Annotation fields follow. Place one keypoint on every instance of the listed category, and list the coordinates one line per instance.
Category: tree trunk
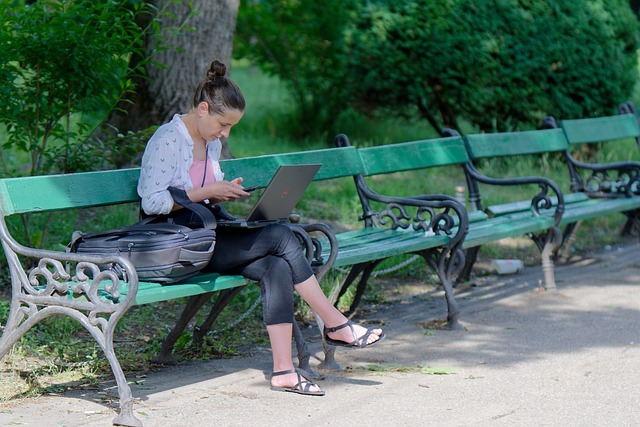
(213, 26)
(169, 89)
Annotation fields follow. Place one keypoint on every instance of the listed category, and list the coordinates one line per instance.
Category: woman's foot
(292, 381)
(351, 335)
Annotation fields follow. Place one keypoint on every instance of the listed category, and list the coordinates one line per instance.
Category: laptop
(279, 198)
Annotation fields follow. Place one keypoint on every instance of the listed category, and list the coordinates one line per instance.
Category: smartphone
(250, 189)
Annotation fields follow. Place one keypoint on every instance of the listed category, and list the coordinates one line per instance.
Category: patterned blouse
(166, 161)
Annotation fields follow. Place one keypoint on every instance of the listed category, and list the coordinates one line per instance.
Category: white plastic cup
(507, 266)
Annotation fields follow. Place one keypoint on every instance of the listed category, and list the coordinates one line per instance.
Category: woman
(184, 153)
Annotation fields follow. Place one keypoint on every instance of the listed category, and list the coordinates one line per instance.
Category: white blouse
(166, 162)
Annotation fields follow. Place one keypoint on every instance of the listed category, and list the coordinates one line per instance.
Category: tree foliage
(61, 62)
(497, 64)
(302, 44)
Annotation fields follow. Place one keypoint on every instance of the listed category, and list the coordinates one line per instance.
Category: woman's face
(213, 126)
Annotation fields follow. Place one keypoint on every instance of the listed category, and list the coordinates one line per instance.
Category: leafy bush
(64, 66)
(501, 65)
(497, 64)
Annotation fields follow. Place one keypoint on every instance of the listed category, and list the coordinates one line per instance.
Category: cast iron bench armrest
(425, 204)
(542, 200)
(100, 285)
(614, 179)
(313, 246)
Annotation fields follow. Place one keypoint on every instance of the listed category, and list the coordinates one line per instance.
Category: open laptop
(277, 201)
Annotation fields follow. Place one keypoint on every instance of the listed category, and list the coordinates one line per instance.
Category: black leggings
(270, 255)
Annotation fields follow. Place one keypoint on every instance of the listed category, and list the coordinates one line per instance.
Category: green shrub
(493, 65)
(501, 65)
(61, 63)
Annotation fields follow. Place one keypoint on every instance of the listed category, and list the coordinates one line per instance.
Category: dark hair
(218, 91)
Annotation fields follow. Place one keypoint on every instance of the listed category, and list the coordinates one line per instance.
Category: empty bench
(378, 210)
(594, 190)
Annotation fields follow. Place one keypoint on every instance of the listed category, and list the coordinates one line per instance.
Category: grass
(59, 353)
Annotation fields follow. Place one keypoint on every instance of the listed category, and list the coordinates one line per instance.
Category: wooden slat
(601, 129)
(372, 243)
(596, 208)
(515, 143)
(525, 205)
(413, 155)
(336, 162)
(79, 190)
(200, 284)
(89, 189)
(149, 292)
(503, 227)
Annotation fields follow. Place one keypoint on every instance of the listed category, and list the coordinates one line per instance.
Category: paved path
(525, 359)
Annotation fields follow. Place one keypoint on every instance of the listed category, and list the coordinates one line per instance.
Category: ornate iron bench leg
(470, 260)
(165, 355)
(437, 261)
(548, 245)
(632, 224)
(125, 417)
(564, 253)
(329, 361)
(362, 286)
(224, 298)
(304, 355)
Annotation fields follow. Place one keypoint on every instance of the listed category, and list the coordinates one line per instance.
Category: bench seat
(149, 292)
(372, 244)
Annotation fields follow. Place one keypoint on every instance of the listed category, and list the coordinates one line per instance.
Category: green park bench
(46, 282)
(548, 217)
(596, 190)
(616, 183)
(483, 228)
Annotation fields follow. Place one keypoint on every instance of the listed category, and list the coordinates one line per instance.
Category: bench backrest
(601, 129)
(413, 155)
(78, 190)
(504, 144)
(101, 188)
(258, 170)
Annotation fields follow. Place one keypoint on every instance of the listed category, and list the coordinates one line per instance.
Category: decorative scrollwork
(396, 216)
(49, 271)
(442, 222)
(623, 180)
(312, 246)
(541, 200)
(50, 278)
(99, 285)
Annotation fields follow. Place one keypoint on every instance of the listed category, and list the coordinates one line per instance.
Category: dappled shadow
(508, 320)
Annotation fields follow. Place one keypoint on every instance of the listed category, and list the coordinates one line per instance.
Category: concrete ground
(525, 358)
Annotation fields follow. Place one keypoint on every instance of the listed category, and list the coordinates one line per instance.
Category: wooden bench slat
(485, 145)
(149, 292)
(509, 227)
(358, 254)
(596, 208)
(72, 191)
(601, 129)
(336, 163)
(413, 155)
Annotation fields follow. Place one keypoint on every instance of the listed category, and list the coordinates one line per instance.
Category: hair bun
(217, 69)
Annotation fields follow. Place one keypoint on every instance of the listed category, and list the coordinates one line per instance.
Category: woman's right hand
(225, 191)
